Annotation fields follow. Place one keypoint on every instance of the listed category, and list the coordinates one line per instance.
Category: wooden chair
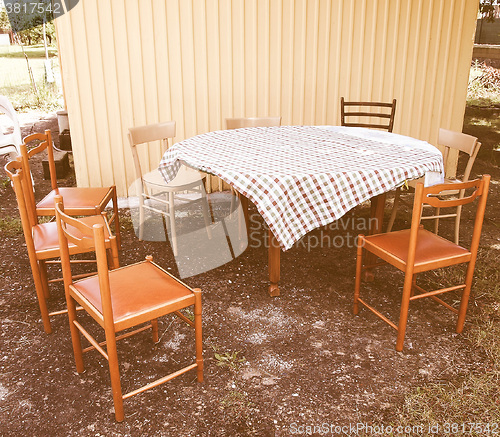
(417, 250)
(237, 123)
(121, 299)
(10, 143)
(154, 189)
(451, 141)
(372, 110)
(79, 201)
(42, 240)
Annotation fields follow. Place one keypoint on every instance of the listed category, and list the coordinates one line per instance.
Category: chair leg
(44, 278)
(117, 220)
(114, 373)
(206, 211)
(394, 210)
(198, 333)
(436, 220)
(457, 223)
(154, 330)
(115, 259)
(359, 265)
(141, 216)
(413, 284)
(171, 213)
(40, 294)
(75, 335)
(464, 302)
(403, 315)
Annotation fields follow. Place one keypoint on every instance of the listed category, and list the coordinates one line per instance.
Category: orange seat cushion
(431, 248)
(136, 289)
(76, 200)
(46, 240)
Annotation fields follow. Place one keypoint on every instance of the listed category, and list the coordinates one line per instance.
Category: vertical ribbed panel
(128, 63)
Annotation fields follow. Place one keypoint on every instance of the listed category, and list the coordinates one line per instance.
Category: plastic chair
(121, 299)
(42, 240)
(79, 201)
(154, 189)
(10, 143)
(372, 110)
(451, 141)
(417, 250)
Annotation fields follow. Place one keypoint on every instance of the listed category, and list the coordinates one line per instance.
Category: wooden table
(304, 177)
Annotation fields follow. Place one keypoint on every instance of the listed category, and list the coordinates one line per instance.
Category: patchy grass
(15, 81)
(474, 398)
(484, 85)
(237, 404)
(24, 98)
(10, 227)
(36, 51)
(231, 360)
(484, 123)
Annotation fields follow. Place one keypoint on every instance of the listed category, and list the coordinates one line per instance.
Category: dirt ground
(301, 359)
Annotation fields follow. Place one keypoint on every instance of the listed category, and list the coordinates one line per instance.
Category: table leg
(274, 265)
(244, 207)
(376, 222)
(377, 213)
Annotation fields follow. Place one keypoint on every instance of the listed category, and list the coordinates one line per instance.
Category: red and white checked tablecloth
(303, 177)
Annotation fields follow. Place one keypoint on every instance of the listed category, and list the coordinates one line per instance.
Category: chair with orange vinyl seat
(79, 201)
(42, 240)
(450, 140)
(122, 299)
(371, 110)
(417, 250)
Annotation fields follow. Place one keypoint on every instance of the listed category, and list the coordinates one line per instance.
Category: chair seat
(431, 249)
(137, 292)
(186, 177)
(46, 240)
(77, 201)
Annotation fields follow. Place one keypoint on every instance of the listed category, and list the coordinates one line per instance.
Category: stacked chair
(79, 201)
(42, 239)
(10, 143)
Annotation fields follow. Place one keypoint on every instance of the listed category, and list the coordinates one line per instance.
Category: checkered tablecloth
(303, 177)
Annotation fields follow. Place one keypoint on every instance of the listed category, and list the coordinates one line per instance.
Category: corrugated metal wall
(133, 62)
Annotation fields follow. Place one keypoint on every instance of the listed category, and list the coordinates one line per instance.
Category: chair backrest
(145, 134)
(377, 110)
(86, 238)
(16, 172)
(461, 142)
(44, 143)
(430, 196)
(15, 137)
(237, 123)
